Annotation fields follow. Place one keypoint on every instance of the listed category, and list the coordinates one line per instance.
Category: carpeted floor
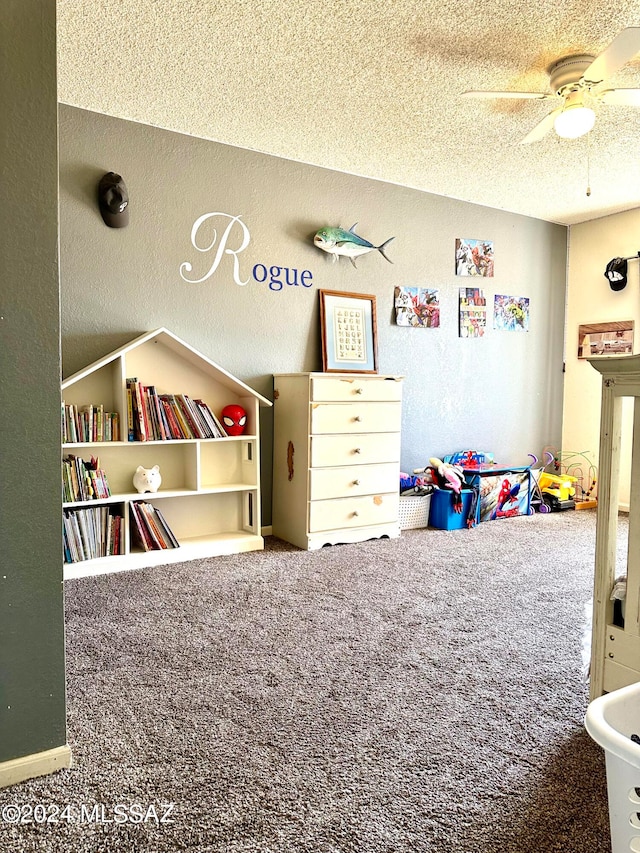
(421, 694)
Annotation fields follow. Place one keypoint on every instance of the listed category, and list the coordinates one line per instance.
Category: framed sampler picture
(349, 332)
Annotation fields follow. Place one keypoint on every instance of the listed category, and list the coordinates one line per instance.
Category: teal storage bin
(442, 514)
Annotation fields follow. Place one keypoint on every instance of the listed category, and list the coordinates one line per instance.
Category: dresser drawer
(353, 481)
(357, 449)
(353, 512)
(345, 389)
(355, 417)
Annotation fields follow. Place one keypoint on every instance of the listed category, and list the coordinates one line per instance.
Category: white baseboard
(37, 764)
(266, 530)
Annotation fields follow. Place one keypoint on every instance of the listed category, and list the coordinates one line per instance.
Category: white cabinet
(210, 492)
(336, 463)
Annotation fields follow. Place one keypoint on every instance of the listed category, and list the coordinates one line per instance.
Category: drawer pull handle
(357, 418)
(356, 483)
(356, 450)
(354, 513)
(359, 390)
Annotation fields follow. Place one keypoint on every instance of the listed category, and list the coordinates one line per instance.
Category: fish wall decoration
(337, 241)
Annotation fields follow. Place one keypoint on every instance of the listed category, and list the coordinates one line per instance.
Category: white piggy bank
(147, 479)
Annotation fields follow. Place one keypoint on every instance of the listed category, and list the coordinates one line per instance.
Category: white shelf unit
(210, 492)
(615, 650)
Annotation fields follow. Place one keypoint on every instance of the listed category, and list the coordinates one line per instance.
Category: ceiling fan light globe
(574, 121)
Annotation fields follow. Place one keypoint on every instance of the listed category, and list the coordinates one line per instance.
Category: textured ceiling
(370, 87)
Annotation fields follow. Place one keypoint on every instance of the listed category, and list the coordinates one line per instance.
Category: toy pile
(418, 483)
(450, 476)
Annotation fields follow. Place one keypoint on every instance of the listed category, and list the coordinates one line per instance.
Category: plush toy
(449, 476)
(147, 479)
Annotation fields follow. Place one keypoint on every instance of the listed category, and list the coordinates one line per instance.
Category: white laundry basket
(414, 511)
(611, 720)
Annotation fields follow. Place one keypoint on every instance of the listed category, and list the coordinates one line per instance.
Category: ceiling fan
(577, 79)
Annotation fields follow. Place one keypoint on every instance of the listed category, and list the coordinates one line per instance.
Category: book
(88, 424)
(169, 533)
(151, 416)
(114, 426)
(174, 426)
(161, 430)
(152, 530)
(185, 429)
(185, 410)
(214, 425)
(98, 424)
(139, 423)
(157, 539)
(117, 535)
(91, 533)
(83, 480)
(131, 435)
(203, 427)
(140, 528)
(72, 424)
(218, 422)
(146, 414)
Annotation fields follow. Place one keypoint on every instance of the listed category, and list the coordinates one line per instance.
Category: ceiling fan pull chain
(588, 164)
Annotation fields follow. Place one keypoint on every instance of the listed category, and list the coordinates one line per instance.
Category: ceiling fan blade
(542, 128)
(627, 97)
(621, 50)
(540, 96)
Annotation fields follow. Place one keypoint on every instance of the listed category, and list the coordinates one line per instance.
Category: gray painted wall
(32, 699)
(502, 393)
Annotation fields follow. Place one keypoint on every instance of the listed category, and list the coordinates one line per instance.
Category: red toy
(234, 419)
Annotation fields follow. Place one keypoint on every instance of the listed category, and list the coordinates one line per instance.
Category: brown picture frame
(614, 337)
(348, 326)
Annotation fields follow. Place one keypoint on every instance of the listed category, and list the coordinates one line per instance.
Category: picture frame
(349, 332)
(605, 339)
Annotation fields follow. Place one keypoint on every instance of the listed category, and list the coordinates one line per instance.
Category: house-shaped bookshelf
(209, 497)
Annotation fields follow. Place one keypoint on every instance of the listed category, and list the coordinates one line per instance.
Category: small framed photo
(612, 338)
(349, 332)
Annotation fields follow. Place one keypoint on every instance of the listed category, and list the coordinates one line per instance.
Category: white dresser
(336, 462)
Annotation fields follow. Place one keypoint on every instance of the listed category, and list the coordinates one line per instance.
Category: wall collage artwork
(419, 307)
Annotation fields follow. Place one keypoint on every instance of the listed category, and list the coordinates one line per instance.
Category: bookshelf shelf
(210, 491)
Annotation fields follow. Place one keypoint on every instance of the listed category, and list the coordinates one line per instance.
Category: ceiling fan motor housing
(567, 73)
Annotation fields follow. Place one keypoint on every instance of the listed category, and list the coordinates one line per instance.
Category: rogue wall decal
(233, 240)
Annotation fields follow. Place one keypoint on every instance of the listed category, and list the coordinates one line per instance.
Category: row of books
(151, 529)
(89, 423)
(82, 480)
(91, 533)
(163, 417)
